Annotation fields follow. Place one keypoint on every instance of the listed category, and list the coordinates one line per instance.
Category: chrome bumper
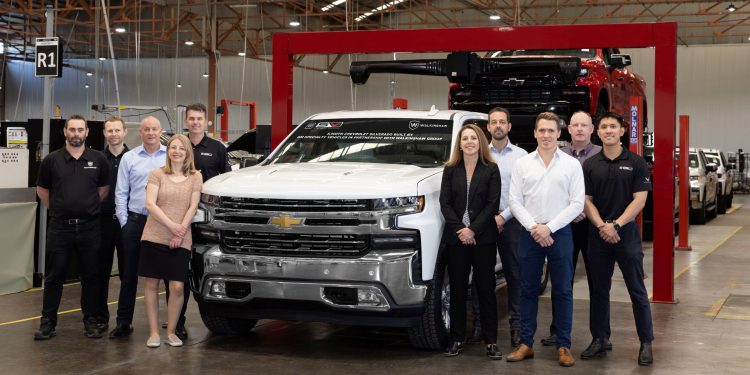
(382, 280)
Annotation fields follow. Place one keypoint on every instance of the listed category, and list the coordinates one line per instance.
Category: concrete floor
(706, 332)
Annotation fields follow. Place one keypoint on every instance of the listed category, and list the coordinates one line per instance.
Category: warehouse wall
(712, 84)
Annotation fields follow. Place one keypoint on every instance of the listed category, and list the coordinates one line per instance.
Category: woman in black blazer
(469, 199)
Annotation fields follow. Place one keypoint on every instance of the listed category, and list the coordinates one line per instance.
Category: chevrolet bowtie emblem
(513, 82)
(285, 221)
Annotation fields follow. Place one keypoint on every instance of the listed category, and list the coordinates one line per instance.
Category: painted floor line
(60, 313)
(707, 253)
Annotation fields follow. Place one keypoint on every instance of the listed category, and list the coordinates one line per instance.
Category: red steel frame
(662, 36)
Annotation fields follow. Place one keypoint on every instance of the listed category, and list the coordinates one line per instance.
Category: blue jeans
(560, 263)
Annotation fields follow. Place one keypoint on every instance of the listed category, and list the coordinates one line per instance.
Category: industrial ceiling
(189, 28)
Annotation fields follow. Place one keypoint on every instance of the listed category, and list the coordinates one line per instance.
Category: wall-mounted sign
(48, 57)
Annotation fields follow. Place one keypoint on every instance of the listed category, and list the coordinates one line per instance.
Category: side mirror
(251, 161)
(620, 61)
(710, 167)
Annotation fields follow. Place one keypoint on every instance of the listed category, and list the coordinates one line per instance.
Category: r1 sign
(48, 57)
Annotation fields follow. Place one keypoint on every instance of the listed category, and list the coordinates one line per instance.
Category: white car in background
(726, 173)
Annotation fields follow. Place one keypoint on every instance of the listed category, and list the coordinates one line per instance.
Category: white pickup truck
(340, 224)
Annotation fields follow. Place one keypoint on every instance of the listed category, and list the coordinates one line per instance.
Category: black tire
(729, 199)
(432, 331)
(721, 202)
(699, 216)
(227, 326)
(715, 210)
(545, 279)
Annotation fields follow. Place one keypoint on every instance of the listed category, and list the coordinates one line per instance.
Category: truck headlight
(211, 200)
(411, 204)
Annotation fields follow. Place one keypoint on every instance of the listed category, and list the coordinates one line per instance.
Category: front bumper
(380, 281)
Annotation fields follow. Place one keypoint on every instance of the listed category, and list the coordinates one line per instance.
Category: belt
(74, 221)
(135, 216)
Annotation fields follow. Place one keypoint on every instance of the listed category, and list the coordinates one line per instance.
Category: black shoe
(476, 336)
(121, 330)
(181, 332)
(607, 344)
(455, 349)
(515, 338)
(550, 340)
(645, 356)
(46, 331)
(597, 348)
(493, 352)
(91, 329)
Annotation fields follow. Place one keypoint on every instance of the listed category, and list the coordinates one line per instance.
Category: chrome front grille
(295, 205)
(294, 244)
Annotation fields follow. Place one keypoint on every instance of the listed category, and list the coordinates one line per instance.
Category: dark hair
(548, 116)
(115, 119)
(612, 115)
(499, 109)
(76, 117)
(198, 107)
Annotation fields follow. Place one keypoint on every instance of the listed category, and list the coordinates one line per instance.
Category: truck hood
(321, 181)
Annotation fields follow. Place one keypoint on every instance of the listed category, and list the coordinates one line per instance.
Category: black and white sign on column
(48, 57)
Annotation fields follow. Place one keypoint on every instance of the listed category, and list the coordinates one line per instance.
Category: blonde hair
(485, 157)
(188, 166)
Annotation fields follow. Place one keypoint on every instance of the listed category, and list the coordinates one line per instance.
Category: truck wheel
(545, 278)
(729, 199)
(699, 216)
(227, 326)
(721, 203)
(432, 331)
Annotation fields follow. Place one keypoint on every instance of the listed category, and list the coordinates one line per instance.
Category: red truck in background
(528, 82)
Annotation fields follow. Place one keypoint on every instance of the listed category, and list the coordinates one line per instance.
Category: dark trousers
(580, 246)
(628, 254)
(131, 249)
(111, 240)
(461, 260)
(560, 263)
(507, 248)
(64, 240)
(181, 321)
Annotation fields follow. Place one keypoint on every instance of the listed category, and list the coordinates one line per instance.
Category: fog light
(367, 297)
(218, 289)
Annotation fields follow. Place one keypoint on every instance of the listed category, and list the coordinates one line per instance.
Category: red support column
(665, 38)
(282, 89)
(684, 193)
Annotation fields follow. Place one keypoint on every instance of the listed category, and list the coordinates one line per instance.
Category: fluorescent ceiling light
(241, 54)
(381, 8)
(293, 23)
(120, 29)
(189, 42)
(102, 58)
(494, 17)
(325, 71)
(332, 5)
(89, 74)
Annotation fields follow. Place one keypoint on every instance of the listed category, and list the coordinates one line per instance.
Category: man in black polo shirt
(212, 160)
(114, 133)
(72, 182)
(617, 182)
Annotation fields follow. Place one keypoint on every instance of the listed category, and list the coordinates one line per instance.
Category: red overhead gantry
(662, 36)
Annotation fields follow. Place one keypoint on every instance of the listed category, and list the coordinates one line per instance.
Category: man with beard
(114, 134)
(505, 155)
(130, 208)
(72, 182)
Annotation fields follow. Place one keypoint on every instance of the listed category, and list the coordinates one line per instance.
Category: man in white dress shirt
(546, 194)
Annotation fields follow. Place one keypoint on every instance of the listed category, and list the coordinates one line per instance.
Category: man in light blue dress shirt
(505, 155)
(130, 208)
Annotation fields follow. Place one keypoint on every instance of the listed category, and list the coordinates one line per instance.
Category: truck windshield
(583, 52)
(424, 143)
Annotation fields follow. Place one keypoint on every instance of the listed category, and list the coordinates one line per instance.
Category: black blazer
(484, 201)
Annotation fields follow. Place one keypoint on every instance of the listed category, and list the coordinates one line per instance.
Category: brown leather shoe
(522, 352)
(564, 357)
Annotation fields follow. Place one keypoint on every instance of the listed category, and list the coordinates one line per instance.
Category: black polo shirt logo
(89, 165)
(207, 154)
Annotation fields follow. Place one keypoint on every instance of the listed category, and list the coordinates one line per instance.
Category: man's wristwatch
(615, 225)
